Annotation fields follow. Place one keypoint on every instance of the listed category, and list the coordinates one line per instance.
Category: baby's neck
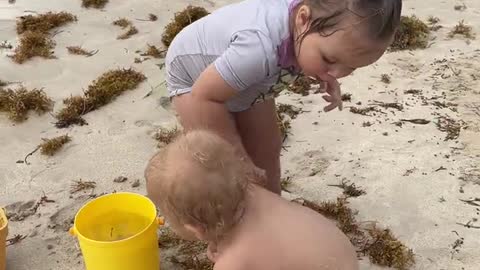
(255, 193)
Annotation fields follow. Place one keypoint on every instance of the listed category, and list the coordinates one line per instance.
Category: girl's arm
(206, 108)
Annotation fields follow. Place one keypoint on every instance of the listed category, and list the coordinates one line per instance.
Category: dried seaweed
(413, 91)
(17, 103)
(165, 136)
(136, 183)
(152, 17)
(433, 22)
(132, 30)
(347, 97)
(289, 110)
(154, 52)
(122, 22)
(336, 210)
(461, 7)
(43, 23)
(182, 19)
(362, 111)
(350, 190)
(51, 146)
(462, 29)
(380, 245)
(102, 91)
(189, 255)
(284, 126)
(126, 24)
(412, 34)
(385, 78)
(77, 50)
(80, 185)
(193, 262)
(285, 183)
(17, 238)
(450, 126)
(94, 3)
(385, 249)
(33, 44)
(301, 85)
(120, 179)
(168, 239)
(391, 105)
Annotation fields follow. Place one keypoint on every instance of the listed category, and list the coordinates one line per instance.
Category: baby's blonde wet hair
(201, 181)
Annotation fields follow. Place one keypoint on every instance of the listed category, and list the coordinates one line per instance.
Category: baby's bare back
(278, 234)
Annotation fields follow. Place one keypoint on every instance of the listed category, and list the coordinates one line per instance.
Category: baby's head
(337, 37)
(199, 184)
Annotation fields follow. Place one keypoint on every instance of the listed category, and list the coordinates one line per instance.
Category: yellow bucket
(118, 232)
(3, 239)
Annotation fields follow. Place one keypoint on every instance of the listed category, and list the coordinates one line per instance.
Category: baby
(206, 192)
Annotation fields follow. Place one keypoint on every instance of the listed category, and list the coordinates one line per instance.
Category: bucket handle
(159, 220)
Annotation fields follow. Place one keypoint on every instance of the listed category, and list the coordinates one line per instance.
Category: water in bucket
(118, 232)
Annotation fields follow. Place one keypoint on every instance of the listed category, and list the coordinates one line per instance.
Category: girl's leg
(261, 138)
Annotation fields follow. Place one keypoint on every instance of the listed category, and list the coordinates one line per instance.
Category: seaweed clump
(101, 92)
(152, 17)
(433, 22)
(165, 136)
(43, 22)
(36, 39)
(385, 78)
(412, 34)
(381, 246)
(182, 19)
(33, 44)
(462, 29)
(51, 146)
(94, 3)
(132, 30)
(301, 85)
(386, 250)
(350, 190)
(449, 126)
(337, 210)
(284, 122)
(188, 255)
(153, 52)
(125, 24)
(17, 103)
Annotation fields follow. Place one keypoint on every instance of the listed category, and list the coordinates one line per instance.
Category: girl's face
(337, 55)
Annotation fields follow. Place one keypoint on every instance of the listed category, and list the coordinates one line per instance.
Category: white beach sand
(422, 207)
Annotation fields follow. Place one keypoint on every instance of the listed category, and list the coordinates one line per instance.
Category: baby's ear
(196, 231)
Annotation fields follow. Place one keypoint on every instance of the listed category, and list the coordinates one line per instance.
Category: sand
(414, 179)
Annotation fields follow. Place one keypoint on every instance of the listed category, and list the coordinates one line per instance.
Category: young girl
(220, 68)
(205, 193)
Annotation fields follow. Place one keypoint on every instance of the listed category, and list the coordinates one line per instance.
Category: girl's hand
(334, 95)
